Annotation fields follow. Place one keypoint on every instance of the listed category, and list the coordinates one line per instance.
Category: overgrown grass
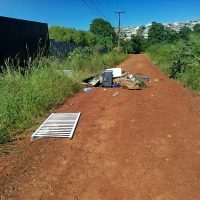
(180, 61)
(25, 98)
(162, 55)
(92, 62)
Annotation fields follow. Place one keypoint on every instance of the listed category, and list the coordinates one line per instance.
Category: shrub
(181, 60)
(186, 63)
(162, 55)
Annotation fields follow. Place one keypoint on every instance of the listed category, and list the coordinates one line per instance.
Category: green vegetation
(30, 93)
(135, 45)
(25, 98)
(196, 28)
(104, 32)
(82, 38)
(178, 58)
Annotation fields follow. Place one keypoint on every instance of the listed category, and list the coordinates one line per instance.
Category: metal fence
(22, 39)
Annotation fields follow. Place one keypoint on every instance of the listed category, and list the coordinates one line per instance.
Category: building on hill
(127, 32)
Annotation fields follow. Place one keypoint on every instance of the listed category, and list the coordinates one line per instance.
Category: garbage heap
(115, 77)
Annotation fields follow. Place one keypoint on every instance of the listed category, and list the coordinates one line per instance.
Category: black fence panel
(61, 49)
(22, 39)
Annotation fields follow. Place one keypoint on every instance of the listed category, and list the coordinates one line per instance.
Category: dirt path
(139, 145)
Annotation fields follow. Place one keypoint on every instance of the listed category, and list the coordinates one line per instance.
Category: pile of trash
(115, 77)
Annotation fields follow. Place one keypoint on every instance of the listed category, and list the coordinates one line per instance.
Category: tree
(136, 43)
(103, 28)
(105, 41)
(159, 33)
(126, 46)
(184, 33)
(196, 28)
(81, 38)
(156, 33)
(170, 35)
(140, 30)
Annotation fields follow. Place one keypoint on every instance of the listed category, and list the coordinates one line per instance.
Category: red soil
(138, 145)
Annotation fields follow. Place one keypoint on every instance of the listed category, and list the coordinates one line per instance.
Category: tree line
(101, 33)
(158, 34)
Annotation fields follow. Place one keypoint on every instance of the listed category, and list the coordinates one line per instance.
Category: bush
(181, 60)
(186, 63)
(162, 55)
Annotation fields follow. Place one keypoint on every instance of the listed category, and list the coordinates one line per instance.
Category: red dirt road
(139, 145)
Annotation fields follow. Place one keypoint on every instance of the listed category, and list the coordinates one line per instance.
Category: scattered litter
(116, 85)
(117, 72)
(169, 136)
(131, 84)
(104, 89)
(115, 94)
(60, 125)
(93, 81)
(156, 80)
(87, 89)
(145, 78)
(70, 104)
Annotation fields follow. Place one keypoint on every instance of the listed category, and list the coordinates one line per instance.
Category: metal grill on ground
(61, 125)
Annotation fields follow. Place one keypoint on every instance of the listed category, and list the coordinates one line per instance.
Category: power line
(94, 8)
(119, 26)
(90, 7)
(97, 8)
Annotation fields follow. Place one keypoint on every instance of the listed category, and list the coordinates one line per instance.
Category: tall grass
(180, 61)
(91, 61)
(26, 97)
(162, 55)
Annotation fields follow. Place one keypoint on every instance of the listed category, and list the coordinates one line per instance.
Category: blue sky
(76, 14)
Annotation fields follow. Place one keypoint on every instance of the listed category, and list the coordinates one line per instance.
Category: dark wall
(61, 49)
(22, 38)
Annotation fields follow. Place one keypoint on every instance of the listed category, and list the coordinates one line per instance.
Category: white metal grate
(58, 125)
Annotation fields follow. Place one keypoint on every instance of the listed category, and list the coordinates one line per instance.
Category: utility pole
(119, 27)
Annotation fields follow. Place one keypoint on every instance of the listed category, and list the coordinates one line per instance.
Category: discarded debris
(117, 72)
(145, 78)
(131, 84)
(114, 77)
(116, 85)
(115, 94)
(70, 104)
(60, 125)
(87, 89)
(93, 81)
(107, 78)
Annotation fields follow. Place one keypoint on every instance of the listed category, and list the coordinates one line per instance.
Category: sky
(79, 13)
